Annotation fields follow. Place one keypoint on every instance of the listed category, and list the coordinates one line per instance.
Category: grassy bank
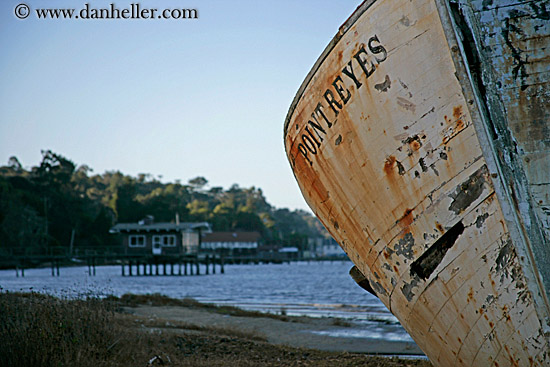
(40, 330)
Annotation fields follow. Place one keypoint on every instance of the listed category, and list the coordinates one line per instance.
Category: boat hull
(387, 140)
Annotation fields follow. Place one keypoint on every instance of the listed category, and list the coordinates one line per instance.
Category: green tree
(198, 183)
(127, 208)
(199, 210)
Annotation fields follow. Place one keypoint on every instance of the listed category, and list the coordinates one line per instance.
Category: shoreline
(326, 334)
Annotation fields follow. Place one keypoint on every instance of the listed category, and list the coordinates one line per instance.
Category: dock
(142, 265)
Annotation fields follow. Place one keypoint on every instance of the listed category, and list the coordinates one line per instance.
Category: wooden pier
(173, 266)
(131, 265)
(144, 265)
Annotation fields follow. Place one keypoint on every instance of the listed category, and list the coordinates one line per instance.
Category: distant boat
(421, 139)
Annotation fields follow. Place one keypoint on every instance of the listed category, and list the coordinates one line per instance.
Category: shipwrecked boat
(421, 139)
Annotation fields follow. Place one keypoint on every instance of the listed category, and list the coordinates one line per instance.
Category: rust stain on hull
(388, 149)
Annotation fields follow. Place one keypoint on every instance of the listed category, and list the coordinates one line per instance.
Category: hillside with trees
(58, 204)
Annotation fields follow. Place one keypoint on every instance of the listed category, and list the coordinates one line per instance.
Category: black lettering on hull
(339, 94)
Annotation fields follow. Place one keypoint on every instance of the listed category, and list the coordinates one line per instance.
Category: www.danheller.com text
(112, 11)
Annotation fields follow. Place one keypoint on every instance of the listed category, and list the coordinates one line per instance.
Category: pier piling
(55, 268)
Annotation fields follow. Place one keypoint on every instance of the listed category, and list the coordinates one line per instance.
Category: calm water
(314, 289)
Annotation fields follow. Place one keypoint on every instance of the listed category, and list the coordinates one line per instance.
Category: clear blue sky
(176, 98)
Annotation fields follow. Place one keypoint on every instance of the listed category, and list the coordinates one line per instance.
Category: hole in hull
(425, 265)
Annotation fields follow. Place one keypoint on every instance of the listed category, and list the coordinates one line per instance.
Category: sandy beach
(303, 332)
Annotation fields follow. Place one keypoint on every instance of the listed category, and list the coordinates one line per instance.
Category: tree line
(58, 204)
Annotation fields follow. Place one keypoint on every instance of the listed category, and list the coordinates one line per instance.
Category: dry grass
(134, 300)
(163, 325)
(39, 330)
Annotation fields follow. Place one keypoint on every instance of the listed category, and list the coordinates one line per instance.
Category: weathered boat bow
(421, 139)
